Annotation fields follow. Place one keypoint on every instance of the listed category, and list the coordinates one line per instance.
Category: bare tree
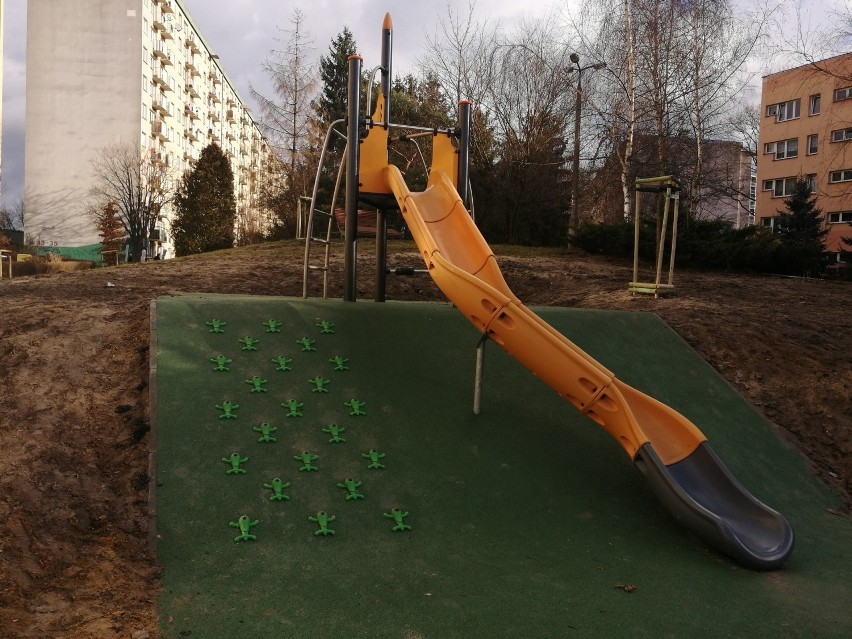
(138, 184)
(286, 115)
(460, 55)
(12, 217)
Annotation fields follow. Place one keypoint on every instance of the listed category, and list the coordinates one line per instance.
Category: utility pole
(574, 218)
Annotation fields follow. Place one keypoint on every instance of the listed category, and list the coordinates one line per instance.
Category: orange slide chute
(669, 449)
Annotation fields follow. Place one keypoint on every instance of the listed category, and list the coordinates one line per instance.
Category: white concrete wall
(83, 93)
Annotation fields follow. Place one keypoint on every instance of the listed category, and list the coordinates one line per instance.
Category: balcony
(189, 65)
(158, 130)
(230, 116)
(214, 97)
(192, 45)
(191, 134)
(214, 116)
(214, 78)
(161, 79)
(192, 112)
(160, 106)
(190, 89)
(167, 6)
(158, 24)
(161, 52)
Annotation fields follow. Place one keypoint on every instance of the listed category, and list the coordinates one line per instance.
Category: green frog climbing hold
(256, 384)
(235, 461)
(277, 487)
(356, 407)
(221, 363)
(326, 327)
(339, 363)
(245, 524)
(351, 486)
(272, 326)
(306, 344)
(227, 407)
(319, 384)
(398, 515)
(216, 326)
(249, 343)
(265, 431)
(374, 456)
(294, 407)
(322, 519)
(334, 430)
(307, 459)
(283, 363)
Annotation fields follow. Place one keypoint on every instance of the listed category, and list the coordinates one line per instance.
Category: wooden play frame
(670, 185)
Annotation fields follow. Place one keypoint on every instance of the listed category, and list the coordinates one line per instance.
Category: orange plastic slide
(670, 450)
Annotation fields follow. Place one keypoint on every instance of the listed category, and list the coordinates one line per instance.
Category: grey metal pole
(353, 151)
(381, 219)
(387, 65)
(573, 221)
(480, 370)
(465, 107)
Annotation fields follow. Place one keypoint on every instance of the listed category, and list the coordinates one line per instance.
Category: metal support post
(465, 107)
(353, 151)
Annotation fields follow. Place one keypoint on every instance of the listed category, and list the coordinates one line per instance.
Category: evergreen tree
(802, 233)
(205, 205)
(334, 75)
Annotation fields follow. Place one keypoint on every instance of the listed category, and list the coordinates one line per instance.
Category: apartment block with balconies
(806, 131)
(139, 72)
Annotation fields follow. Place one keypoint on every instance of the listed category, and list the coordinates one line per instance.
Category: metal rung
(312, 267)
(320, 240)
(322, 213)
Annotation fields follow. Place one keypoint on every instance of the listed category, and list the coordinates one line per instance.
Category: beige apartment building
(138, 72)
(806, 130)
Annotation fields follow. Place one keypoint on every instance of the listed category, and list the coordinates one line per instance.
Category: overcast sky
(242, 32)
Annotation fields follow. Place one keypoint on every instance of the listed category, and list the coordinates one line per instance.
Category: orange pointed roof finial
(388, 23)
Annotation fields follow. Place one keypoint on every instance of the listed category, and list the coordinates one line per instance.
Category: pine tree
(802, 232)
(334, 75)
(205, 205)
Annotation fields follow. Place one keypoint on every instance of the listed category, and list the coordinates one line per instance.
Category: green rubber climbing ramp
(277, 506)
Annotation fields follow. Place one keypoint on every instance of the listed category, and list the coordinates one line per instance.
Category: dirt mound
(74, 556)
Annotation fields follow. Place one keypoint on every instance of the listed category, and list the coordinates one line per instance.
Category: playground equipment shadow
(527, 520)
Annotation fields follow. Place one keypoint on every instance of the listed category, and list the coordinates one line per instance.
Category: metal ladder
(322, 238)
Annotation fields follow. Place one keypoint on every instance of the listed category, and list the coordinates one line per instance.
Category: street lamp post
(574, 218)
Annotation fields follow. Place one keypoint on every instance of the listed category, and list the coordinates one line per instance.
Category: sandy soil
(74, 423)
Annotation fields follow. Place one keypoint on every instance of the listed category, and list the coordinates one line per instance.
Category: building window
(784, 111)
(841, 217)
(814, 105)
(783, 149)
(813, 144)
(810, 178)
(843, 94)
(768, 222)
(841, 135)
(781, 187)
(840, 176)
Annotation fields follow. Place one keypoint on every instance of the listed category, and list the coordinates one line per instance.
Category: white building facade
(139, 72)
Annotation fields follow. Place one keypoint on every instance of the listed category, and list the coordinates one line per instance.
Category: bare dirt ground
(74, 423)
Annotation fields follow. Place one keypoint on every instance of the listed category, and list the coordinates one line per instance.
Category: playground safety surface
(527, 520)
